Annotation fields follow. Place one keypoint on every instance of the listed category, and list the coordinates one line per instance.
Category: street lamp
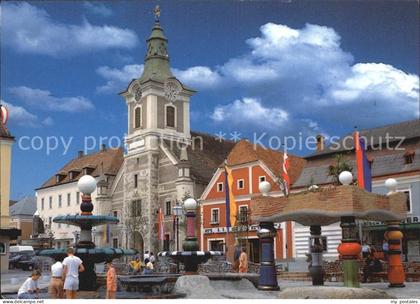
(177, 211)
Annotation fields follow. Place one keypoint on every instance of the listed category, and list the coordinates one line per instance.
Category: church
(163, 164)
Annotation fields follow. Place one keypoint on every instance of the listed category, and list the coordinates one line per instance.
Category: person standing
(365, 250)
(148, 268)
(56, 284)
(236, 255)
(385, 249)
(111, 281)
(135, 265)
(243, 261)
(152, 258)
(72, 266)
(29, 289)
(146, 256)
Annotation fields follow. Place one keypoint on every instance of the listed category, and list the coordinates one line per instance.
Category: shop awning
(411, 226)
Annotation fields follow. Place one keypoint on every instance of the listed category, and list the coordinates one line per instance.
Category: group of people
(240, 259)
(146, 266)
(371, 262)
(64, 281)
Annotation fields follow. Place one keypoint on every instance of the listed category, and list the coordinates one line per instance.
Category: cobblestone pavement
(410, 291)
(10, 282)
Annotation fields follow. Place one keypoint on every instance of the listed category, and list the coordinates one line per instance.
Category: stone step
(294, 276)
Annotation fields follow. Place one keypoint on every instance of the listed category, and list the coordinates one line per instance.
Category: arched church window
(137, 117)
(136, 208)
(170, 116)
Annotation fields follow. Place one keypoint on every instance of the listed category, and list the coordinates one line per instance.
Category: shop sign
(235, 229)
(408, 220)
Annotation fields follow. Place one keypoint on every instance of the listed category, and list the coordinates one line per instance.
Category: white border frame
(259, 178)
(217, 187)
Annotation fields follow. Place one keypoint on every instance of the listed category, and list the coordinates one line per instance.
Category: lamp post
(177, 211)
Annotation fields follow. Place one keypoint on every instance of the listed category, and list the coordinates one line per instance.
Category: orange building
(250, 165)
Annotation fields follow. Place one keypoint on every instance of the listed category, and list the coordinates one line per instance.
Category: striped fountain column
(268, 273)
(393, 235)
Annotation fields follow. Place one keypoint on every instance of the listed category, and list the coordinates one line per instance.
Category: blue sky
(279, 67)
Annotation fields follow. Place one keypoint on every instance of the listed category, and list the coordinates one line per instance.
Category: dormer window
(73, 174)
(59, 177)
(170, 116)
(137, 117)
(409, 157)
(88, 170)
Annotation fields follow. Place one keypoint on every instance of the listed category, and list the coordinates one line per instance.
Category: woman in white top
(56, 284)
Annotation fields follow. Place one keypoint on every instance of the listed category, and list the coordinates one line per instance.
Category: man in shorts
(72, 266)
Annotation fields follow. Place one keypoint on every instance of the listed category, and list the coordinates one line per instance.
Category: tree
(340, 165)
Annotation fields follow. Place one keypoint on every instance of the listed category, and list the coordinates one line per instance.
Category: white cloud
(198, 77)
(250, 111)
(48, 122)
(44, 99)
(29, 29)
(97, 8)
(307, 69)
(118, 79)
(19, 114)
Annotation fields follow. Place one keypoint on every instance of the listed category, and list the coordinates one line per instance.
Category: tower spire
(156, 62)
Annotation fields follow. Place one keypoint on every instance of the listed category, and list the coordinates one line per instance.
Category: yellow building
(7, 232)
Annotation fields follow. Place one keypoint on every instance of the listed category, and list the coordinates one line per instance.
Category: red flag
(285, 174)
(161, 232)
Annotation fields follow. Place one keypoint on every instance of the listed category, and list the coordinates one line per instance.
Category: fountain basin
(190, 259)
(89, 256)
(83, 220)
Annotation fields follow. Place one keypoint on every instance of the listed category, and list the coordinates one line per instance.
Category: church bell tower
(158, 103)
(158, 111)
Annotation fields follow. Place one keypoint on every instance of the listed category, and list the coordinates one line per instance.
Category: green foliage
(340, 165)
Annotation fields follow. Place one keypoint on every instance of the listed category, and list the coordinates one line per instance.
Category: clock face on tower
(171, 90)
(137, 94)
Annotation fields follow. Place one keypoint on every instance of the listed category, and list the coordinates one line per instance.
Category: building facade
(7, 232)
(22, 217)
(163, 164)
(393, 152)
(250, 165)
(59, 195)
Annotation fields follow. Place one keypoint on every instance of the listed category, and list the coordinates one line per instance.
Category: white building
(60, 196)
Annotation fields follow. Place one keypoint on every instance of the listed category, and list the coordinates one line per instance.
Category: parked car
(14, 261)
(30, 264)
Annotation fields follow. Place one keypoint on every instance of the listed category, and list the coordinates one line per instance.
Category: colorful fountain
(191, 257)
(85, 247)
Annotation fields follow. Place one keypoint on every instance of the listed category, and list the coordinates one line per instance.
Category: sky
(262, 69)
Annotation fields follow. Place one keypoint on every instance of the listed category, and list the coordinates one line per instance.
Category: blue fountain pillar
(268, 273)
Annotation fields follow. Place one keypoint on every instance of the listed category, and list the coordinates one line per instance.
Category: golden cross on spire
(157, 13)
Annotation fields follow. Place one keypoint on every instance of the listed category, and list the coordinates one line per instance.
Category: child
(111, 281)
(30, 287)
(148, 267)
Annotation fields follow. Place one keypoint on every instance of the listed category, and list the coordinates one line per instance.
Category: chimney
(320, 142)
(103, 147)
(80, 154)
